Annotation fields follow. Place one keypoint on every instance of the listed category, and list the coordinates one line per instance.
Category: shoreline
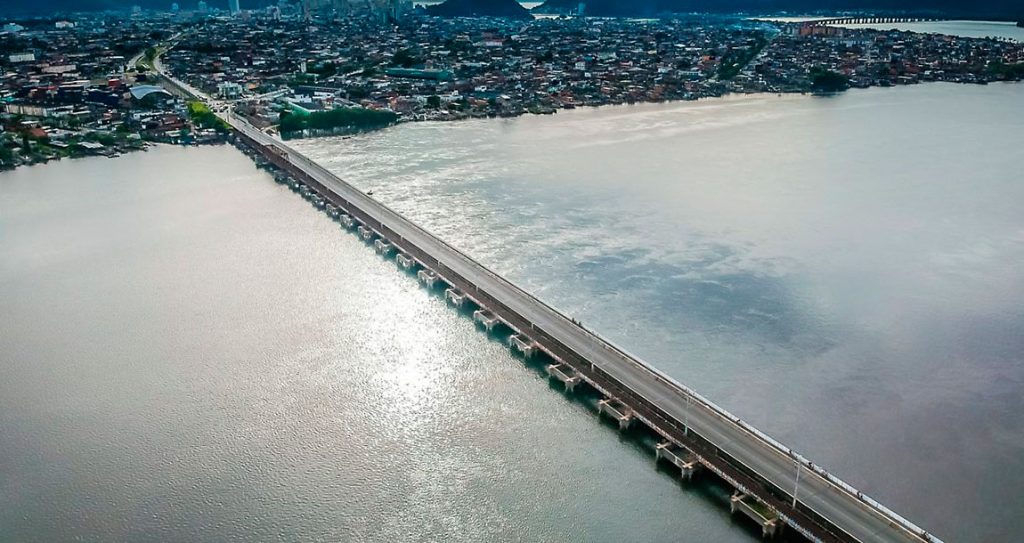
(729, 96)
(115, 154)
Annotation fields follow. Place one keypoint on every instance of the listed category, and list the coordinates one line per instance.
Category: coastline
(113, 153)
(729, 96)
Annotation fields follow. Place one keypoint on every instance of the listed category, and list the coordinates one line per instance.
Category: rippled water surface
(844, 272)
(191, 352)
(967, 29)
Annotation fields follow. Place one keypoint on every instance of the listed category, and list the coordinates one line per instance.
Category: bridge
(865, 20)
(773, 485)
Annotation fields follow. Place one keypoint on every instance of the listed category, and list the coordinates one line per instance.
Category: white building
(21, 57)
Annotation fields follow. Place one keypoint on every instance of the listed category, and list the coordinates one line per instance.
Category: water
(965, 29)
(191, 352)
(843, 272)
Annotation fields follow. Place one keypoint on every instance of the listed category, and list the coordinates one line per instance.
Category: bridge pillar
(405, 261)
(756, 511)
(486, 318)
(681, 458)
(616, 410)
(455, 297)
(347, 220)
(427, 277)
(523, 344)
(568, 376)
(383, 247)
(365, 233)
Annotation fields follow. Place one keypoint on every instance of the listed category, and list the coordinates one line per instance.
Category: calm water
(191, 352)
(966, 29)
(844, 272)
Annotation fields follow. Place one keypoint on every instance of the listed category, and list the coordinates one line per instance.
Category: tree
(823, 80)
(434, 101)
(405, 59)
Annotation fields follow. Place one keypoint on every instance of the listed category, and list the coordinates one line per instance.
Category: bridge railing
(629, 358)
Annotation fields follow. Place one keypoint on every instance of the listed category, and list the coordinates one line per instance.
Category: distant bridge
(841, 21)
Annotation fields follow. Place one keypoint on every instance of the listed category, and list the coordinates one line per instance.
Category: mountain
(974, 9)
(480, 8)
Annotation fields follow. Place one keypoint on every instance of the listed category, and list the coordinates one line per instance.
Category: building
(18, 58)
(233, 7)
(229, 90)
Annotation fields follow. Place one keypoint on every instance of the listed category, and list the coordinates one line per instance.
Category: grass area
(202, 115)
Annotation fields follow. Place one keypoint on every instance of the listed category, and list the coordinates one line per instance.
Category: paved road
(843, 509)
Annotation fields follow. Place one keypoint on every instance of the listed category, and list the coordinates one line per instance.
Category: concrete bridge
(773, 485)
(864, 20)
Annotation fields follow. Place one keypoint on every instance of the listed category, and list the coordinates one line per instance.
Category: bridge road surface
(844, 510)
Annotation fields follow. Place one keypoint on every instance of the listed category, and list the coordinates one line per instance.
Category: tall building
(201, 7)
(233, 7)
(376, 9)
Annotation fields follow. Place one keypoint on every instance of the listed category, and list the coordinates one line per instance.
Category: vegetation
(734, 60)
(404, 58)
(6, 156)
(340, 118)
(201, 115)
(823, 80)
(1008, 71)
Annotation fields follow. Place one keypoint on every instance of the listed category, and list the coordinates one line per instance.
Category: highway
(853, 517)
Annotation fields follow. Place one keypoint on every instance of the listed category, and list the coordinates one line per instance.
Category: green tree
(823, 80)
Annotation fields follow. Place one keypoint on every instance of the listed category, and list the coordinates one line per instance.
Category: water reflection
(830, 269)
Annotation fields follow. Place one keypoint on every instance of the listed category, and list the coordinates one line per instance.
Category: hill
(480, 8)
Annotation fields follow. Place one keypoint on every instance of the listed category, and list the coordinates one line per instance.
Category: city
(294, 270)
(81, 88)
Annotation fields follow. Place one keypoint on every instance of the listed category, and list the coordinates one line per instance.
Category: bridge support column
(383, 247)
(486, 318)
(568, 376)
(523, 344)
(681, 458)
(427, 277)
(405, 261)
(617, 410)
(756, 511)
(455, 297)
(347, 220)
(365, 233)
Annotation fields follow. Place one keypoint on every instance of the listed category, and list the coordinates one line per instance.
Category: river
(191, 352)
